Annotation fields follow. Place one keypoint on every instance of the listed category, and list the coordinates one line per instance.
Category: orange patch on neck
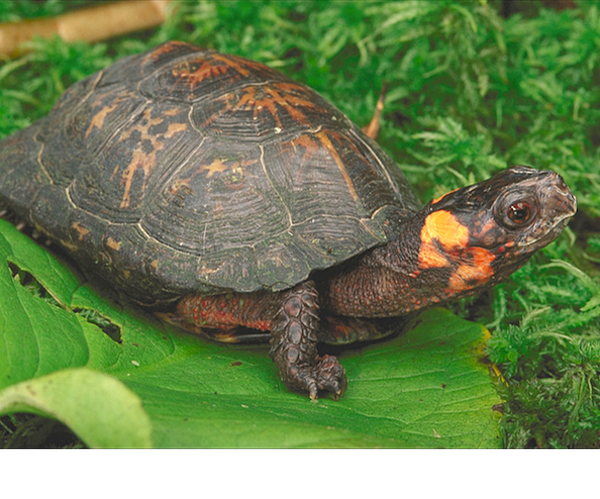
(442, 236)
(477, 270)
(443, 227)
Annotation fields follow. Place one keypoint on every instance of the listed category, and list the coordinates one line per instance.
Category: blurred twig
(89, 24)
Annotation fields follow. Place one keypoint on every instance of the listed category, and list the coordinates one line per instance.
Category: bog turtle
(237, 201)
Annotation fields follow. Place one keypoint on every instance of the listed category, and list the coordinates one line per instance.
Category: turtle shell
(182, 170)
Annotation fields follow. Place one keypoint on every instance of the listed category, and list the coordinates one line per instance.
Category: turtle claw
(326, 375)
(331, 376)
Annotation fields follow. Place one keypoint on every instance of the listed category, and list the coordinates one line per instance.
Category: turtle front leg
(292, 317)
(294, 345)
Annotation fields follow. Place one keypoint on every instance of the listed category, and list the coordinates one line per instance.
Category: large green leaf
(425, 388)
(94, 405)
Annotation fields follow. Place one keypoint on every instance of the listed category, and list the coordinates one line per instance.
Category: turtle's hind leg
(294, 345)
(292, 317)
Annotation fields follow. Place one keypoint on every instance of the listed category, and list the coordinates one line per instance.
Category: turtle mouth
(551, 233)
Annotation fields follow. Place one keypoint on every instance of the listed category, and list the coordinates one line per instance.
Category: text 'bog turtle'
(225, 194)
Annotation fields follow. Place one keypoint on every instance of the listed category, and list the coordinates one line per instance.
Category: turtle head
(482, 233)
(459, 244)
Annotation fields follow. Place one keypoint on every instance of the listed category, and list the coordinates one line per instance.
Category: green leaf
(425, 388)
(99, 409)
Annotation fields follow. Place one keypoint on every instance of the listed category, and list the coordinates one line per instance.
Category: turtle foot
(326, 375)
(330, 376)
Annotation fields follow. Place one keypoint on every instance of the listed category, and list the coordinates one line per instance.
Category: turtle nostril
(561, 184)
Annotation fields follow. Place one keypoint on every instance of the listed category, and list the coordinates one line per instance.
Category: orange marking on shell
(310, 146)
(172, 112)
(324, 139)
(233, 62)
(217, 166)
(194, 78)
(143, 126)
(113, 244)
(208, 69)
(165, 48)
(290, 97)
(81, 230)
(140, 159)
(99, 117)
(175, 128)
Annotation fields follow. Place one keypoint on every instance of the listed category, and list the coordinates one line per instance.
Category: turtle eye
(519, 214)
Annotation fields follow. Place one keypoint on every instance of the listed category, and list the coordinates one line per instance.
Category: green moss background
(474, 87)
